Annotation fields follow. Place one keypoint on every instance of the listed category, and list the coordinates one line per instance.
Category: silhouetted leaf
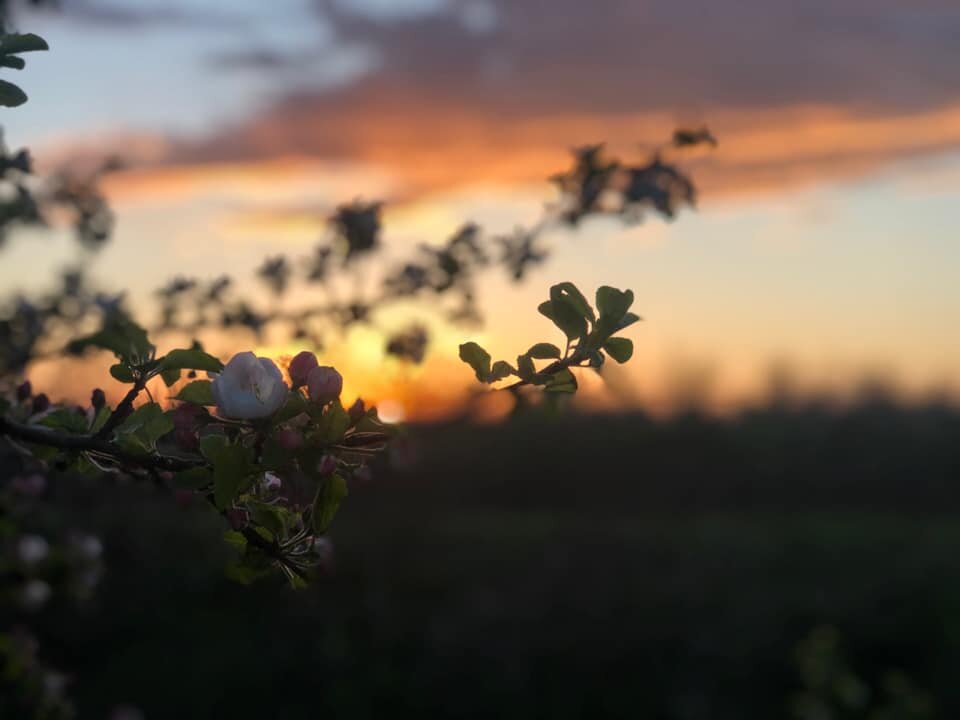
(122, 373)
(12, 61)
(18, 43)
(11, 95)
(477, 358)
(620, 349)
(544, 351)
(500, 370)
(127, 340)
(612, 302)
(569, 292)
(565, 317)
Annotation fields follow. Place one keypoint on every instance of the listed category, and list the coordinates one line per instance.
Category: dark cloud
(476, 88)
(616, 55)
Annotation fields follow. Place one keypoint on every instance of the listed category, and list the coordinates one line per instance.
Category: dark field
(582, 567)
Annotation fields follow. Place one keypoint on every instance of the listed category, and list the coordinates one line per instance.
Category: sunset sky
(825, 238)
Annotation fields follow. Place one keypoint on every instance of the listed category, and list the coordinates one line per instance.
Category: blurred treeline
(580, 566)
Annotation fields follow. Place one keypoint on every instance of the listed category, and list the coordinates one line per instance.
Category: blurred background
(754, 517)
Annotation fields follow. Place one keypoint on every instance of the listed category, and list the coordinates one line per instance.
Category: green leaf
(122, 373)
(65, 419)
(568, 292)
(12, 61)
(563, 381)
(235, 540)
(272, 517)
(296, 404)
(103, 414)
(11, 95)
(273, 456)
(199, 392)
(250, 568)
(327, 501)
(331, 426)
(211, 445)
(544, 351)
(196, 478)
(500, 370)
(232, 464)
(147, 424)
(620, 349)
(477, 358)
(170, 376)
(192, 359)
(18, 43)
(565, 317)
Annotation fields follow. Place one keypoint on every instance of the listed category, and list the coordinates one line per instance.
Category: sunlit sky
(824, 240)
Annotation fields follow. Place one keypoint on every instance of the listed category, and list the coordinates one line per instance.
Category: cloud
(797, 92)
(112, 14)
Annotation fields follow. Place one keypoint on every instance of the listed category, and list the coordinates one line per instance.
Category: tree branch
(122, 411)
(567, 362)
(92, 444)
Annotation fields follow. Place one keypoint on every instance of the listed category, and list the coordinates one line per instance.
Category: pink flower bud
(24, 391)
(41, 403)
(324, 384)
(186, 439)
(327, 465)
(300, 367)
(188, 415)
(289, 439)
(238, 518)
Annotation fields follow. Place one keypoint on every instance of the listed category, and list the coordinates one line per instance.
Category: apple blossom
(271, 481)
(324, 384)
(249, 387)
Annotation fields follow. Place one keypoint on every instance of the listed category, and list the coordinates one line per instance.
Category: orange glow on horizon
(414, 156)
